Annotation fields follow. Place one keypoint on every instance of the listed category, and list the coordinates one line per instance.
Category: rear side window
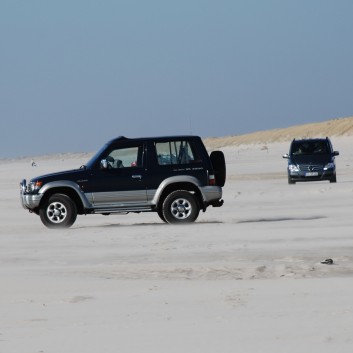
(175, 152)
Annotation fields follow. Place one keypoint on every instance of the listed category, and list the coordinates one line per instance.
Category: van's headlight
(34, 186)
(293, 168)
(329, 166)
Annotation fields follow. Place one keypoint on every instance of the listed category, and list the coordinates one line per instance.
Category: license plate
(311, 174)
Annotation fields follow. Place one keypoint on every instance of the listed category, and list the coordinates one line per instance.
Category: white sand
(246, 277)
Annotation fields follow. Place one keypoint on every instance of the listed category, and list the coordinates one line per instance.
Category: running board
(121, 209)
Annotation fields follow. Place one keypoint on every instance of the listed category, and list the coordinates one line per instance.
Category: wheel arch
(65, 190)
(185, 186)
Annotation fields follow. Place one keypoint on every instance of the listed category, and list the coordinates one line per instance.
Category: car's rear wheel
(180, 207)
(59, 211)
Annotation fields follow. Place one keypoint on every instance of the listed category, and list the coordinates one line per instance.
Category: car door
(119, 180)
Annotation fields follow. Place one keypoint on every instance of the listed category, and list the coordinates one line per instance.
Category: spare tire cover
(219, 167)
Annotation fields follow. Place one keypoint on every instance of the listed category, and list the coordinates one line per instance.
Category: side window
(127, 157)
(174, 152)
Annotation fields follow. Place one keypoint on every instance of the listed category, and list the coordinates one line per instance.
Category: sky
(77, 73)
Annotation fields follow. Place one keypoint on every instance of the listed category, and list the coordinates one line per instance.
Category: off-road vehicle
(173, 176)
(311, 160)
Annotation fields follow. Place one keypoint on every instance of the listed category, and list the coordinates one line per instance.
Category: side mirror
(104, 164)
(286, 156)
(335, 153)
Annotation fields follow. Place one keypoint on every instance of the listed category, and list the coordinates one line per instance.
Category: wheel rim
(56, 212)
(181, 208)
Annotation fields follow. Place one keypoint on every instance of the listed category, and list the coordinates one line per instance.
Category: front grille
(310, 168)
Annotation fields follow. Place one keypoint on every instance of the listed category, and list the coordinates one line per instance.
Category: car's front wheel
(180, 207)
(290, 180)
(59, 211)
(333, 179)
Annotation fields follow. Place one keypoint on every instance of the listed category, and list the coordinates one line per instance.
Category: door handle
(136, 176)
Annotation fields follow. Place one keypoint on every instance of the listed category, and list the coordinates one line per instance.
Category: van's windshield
(310, 147)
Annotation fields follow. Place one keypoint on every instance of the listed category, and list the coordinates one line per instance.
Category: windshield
(310, 147)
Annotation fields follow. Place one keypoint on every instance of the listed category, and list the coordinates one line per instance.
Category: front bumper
(29, 201)
(307, 176)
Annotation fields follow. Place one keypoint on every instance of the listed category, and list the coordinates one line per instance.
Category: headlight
(329, 166)
(293, 168)
(34, 186)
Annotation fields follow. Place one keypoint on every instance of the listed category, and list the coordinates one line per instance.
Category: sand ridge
(334, 127)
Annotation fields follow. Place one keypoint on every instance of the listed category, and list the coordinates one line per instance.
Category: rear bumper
(211, 193)
(212, 196)
(217, 203)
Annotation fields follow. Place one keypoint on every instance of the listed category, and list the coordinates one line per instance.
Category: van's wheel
(290, 181)
(180, 207)
(219, 167)
(333, 179)
(59, 211)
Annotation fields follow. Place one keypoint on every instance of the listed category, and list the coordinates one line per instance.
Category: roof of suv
(173, 137)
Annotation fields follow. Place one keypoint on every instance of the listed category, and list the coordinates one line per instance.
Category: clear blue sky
(76, 73)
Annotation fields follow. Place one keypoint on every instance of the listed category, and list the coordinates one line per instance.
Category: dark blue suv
(311, 160)
(173, 176)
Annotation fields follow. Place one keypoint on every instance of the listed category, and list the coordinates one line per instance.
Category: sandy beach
(246, 277)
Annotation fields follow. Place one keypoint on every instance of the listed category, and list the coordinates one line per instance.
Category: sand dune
(335, 127)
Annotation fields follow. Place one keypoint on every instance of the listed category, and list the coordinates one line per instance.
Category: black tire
(161, 216)
(290, 181)
(180, 207)
(219, 167)
(59, 211)
(333, 179)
